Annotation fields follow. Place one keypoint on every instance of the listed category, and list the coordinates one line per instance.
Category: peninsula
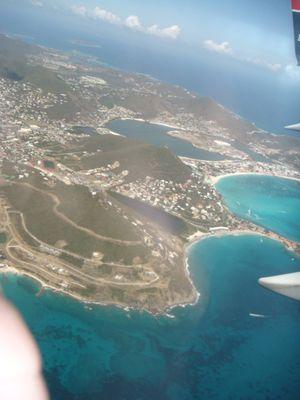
(103, 217)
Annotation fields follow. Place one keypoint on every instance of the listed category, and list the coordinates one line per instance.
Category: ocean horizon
(257, 94)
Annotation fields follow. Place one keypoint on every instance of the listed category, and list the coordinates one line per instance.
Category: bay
(271, 202)
(215, 349)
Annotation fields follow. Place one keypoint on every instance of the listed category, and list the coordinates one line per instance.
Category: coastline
(195, 238)
(215, 179)
(200, 236)
(55, 290)
(192, 241)
(46, 286)
(150, 122)
(173, 127)
(187, 269)
(240, 232)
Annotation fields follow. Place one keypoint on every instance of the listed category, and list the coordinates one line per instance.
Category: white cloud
(263, 63)
(172, 32)
(292, 71)
(221, 48)
(79, 10)
(273, 67)
(226, 49)
(105, 15)
(133, 22)
(36, 3)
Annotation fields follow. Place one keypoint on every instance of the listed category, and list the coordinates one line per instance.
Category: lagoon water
(168, 222)
(271, 202)
(214, 350)
(158, 135)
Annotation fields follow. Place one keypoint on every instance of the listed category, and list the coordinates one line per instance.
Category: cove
(268, 201)
(214, 350)
(158, 135)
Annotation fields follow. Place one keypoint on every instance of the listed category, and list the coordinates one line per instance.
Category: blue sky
(256, 28)
(258, 31)
(253, 28)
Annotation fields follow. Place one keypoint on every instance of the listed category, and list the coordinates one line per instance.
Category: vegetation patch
(138, 158)
(3, 237)
(44, 224)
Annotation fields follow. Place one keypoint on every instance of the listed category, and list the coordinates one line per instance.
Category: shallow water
(214, 350)
(271, 202)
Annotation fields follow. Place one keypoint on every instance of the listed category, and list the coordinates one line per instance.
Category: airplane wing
(287, 285)
(295, 127)
(296, 18)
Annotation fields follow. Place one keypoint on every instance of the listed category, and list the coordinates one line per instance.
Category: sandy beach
(152, 122)
(215, 179)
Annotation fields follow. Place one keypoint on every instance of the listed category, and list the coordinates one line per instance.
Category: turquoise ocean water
(273, 203)
(214, 350)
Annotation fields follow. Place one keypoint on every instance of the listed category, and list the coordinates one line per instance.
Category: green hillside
(138, 158)
(14, 65)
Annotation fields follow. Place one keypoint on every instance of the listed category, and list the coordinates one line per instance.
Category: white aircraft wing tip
(287, 284)
(295, 127)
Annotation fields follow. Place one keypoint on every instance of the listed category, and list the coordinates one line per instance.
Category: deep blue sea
(269, 99)
(214, 350)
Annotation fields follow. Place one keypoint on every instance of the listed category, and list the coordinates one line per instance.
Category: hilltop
(15, 65)
(138, 158)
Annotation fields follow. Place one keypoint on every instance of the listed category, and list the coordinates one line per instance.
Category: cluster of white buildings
(193, 200)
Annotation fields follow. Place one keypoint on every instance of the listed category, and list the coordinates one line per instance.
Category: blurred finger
(20, 361)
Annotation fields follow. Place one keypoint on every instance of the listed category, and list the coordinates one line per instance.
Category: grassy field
(76, 262)
(45, 225)
(16, 220)
(66, 110)
(81, 207)
(91, 212)
(3, 237)
(138, 158)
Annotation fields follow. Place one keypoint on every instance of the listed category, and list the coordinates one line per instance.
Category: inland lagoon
(158, 135)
